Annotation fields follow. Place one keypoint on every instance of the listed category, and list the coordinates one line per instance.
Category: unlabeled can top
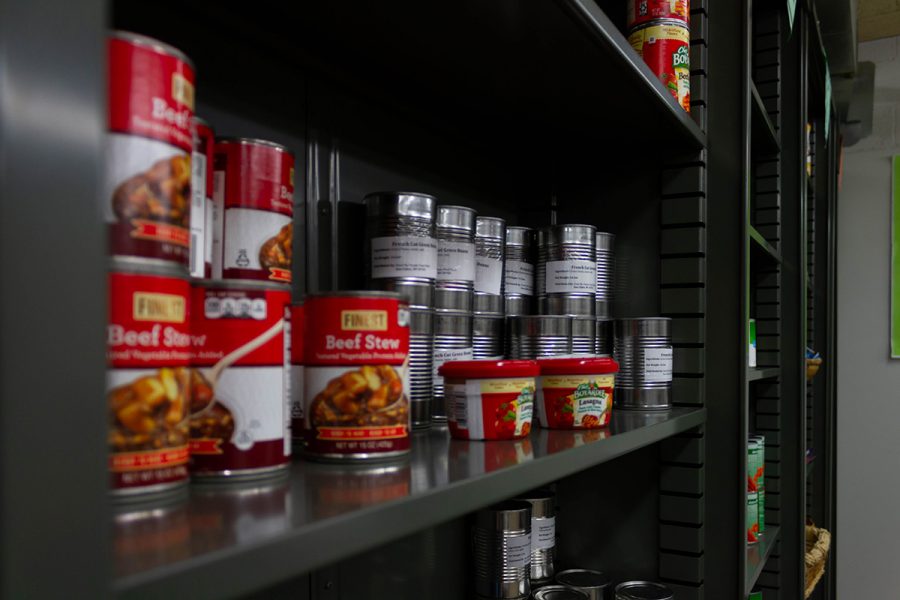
(246, 141)
(643, 590)
(567, 234)
(605, 240)
(519, 236)
(510, 515)
(559, 592)
(488, 369)
(455, 217)
(577, 366)
(492, 228)
(541, 503)
(145, 40)
(644, 327)
(401, 204)
(584, 579)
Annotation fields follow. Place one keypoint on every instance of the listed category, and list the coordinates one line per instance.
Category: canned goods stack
(452, 341)
(756, 452)
(202, 200)
(490, 244)
(543, 534)
(595, 584)
(401, 255)
(583, 335)
(643, 349)
(455, 282)
(501, 548)
(566, 278)
(487, 336)
(518, 272)
(559, 592)
(603, 337)
(643, 590)
(532, 336)
(659, 30)
(606, 259)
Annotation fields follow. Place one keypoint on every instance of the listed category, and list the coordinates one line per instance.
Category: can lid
(488, 369)
(146, 40)
(559, 592)
(518, 236)
(356, 294)
(643, 590)
(254, 142)
(583, 579)
(585, 365)
(401, 204)
(508, 515)
(490, 227)
(541, 502)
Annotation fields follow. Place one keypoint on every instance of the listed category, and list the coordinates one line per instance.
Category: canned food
(452, 341)
(356, 349)
(595, 584)
(584, 329)
(455, 231)
(536, 336)
(643, 349)
(603, 338)
(575, 393)
(421, 373)
(760, 479)
(665, 46)
(755, 595)
(501, 548)
(147, 203)
(487, 337)
(489, 400)
(751, 350)
(567, 270)
(148, 341)
(200, 261)
(752, 517)
(558, 592)
(240, 417)
(644, 11)
(295, 369)
(401, 249)
(518, 271)
(490, 235)
(543, 534)
(606, 266)
(253, 224)
(643, 590)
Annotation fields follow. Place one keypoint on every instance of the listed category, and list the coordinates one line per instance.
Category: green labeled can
(755, 595)
(751, 351)
(761, 481)
(752, 517)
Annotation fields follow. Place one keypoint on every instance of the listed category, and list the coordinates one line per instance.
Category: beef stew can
(147, 198)
(201, 200)
(148, 379)
(665, 46)
(240, 418)
(356, 401)
(253, 209)
(294, 379)
(644, 11)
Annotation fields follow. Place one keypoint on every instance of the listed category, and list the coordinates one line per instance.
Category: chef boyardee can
(253, 225)
(201, 199)
(240, 416)
(455, 282)
(148, 380)
(501, 548)
(644, 11)
(518, 271)
(147, 203)
(490, 234)
(665, 46)
(567, 270)
(356, 346)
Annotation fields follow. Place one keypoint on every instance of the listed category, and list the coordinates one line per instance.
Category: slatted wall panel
(810, 308)
(683, 298)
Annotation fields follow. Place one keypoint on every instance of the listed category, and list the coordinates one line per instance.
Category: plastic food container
(489, 399)
(576, 393)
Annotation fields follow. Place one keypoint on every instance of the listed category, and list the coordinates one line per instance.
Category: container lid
(567, 366)
(510, 515)
(643, 590)
(583, 579)
(488, 369)
(559, 592)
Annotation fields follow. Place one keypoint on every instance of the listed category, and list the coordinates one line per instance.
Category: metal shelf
(759, 374)
(325, 512)
(762, 249)
(763, 135)
(758, 554)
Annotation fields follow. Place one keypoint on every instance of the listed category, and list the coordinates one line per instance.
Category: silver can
(643, 349)
(487, 337)
(597, 585)
(490, 235)
(543, 534)
(518, 271)
(606, 259)
(400, 247)
(604, 336)
(452, 341)
(533, 336)
(584, 330)
(566, 279)
(643, 590)
(501, 547)
(455, 281)
(559, 592)
(421, 350)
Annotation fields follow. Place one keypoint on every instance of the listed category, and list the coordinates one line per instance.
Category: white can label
(519, 278)
(543, 533)
(455, 261)
(488, 275)
(404, 256)
(658, 365)
(246, 230)
(465, 408)
(208, 228)
(443, 356)
(518, 551)
(571, 276)
(198, 215)
(218, 222)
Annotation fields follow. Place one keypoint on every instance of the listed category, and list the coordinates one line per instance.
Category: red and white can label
(356, 402)
(148, 391)
(666, 48)
(295, 369)
(201, 201)
(644, 11)
(253, 212)
(147, 202)
(239, 415)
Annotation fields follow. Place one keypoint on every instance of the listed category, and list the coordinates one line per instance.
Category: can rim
(488, 369)
(236, 284)
(251, 141)
(579, 366)
(626, 585)
(602, 580)
(661, 23)
(540, 594)
(150, 42)
(356, 294)
(398, 193)
(128, 265)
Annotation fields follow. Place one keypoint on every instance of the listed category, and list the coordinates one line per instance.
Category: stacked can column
(490, 244)
(606, 258)
(421, 356)
(518, 271)
(501, 549)
(201, 199)
(543, 534)
(567, 270)
(452, 341)
(584, 330)
(603, 337)
(487, 336)
(455, 282)
(643, 349)
(533, 336)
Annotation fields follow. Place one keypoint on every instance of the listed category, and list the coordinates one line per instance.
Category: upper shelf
(763, 136)
(325, 512)
(762, 249)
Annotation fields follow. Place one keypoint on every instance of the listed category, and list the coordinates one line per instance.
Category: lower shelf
(225, 541)
(758, 554)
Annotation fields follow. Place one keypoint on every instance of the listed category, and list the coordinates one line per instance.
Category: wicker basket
(812, 367)
(818, 543)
